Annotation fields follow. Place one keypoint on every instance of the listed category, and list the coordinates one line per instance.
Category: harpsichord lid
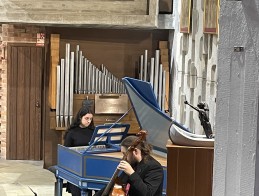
(149, 115)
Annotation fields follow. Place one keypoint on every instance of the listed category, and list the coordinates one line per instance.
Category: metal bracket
(238, 49)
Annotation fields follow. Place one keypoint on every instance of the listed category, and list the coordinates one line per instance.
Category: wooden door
(24, 130)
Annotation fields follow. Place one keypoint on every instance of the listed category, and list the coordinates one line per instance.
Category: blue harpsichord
(91, 167)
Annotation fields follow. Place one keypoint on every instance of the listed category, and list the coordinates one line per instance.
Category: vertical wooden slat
(12, 107)
(204, 171)
(186, 175)
(33, 112)
(38, 81)
(35, 104)
(54, 60)
(27, 100)
(20, 105)
(172, 172)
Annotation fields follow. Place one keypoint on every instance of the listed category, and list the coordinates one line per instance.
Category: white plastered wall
(195, 69)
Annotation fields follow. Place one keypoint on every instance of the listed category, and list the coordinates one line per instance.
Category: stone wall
(236, 164)
(10, 34)
(92, 13)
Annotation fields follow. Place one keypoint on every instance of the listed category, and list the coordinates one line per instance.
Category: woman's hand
(126, 167)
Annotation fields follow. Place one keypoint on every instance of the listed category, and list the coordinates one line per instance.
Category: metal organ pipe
(145, 66)
(90, 78)
(163, 91)
(58, 97)
(62, 87)
(93, 79)
(141, 67)
(76, 69)
(65, 89)
(71, 87)
(160, 79)
(155, 75)
(80, 73)
(85, 76)
(152, 72)
(66, 84)
(100, 81)
(96, 80)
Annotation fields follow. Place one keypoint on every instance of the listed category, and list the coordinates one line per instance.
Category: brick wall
(10, 34)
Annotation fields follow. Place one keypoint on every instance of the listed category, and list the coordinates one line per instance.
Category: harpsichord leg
(58, 187)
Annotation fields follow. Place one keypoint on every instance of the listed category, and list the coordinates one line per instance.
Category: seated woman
(79, 134)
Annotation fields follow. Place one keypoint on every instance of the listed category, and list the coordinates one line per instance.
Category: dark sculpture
(203, 110)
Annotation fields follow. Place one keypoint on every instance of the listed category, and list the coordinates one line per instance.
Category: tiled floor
(24, 178)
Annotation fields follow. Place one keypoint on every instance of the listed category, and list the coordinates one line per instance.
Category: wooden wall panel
(119, 50)
(190, 170)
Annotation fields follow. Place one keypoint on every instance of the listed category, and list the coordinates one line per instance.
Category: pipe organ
(78, 75)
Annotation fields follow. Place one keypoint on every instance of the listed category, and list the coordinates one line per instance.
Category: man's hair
(143, 146)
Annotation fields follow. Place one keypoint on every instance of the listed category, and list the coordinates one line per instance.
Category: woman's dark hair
(77, 120)
(143, 146)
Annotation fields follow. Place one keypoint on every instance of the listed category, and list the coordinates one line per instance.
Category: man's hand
(126, 167)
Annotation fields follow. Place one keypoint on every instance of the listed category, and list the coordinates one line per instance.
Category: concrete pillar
(236, 146)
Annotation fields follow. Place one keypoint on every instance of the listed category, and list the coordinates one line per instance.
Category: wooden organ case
(88, 162)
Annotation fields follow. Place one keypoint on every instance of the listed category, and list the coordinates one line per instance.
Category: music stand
(109, 136)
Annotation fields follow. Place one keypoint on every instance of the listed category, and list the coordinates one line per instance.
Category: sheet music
(106, 138)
